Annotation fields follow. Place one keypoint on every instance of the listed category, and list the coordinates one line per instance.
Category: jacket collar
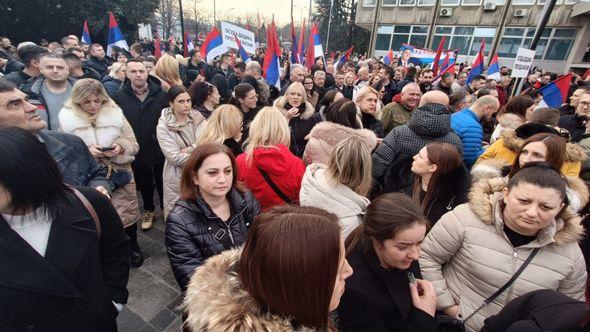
(56, 149)
(70, 237)
(485, 200)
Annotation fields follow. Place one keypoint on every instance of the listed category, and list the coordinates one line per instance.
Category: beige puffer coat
(173, 137)
(468, 257)
(106, 127)
(317, 191)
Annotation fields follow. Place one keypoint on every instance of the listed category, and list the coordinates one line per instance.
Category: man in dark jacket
(142, 100)
(576, 123)
(97, 60)
(445, 84)
(75, 162)
(30, 55)
(410, 77)
(430, 122)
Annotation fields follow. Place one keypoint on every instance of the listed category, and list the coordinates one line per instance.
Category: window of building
(554, 44)
(389, 2)
(392, 37)
(471, 2)
(523, 2)
(450, 3)
(369, 3)
(571, 2)
(467, 40)
(426, 2)
(407, 2)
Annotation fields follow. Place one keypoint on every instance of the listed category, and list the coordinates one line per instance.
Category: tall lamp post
(182, 25)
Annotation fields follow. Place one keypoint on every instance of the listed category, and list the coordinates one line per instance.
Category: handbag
(451, 324)
(274, 187)
(117, 177)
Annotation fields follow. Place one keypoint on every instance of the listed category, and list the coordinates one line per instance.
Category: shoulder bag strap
(506, 285)
(274, 187)
(219, 233)
(88, 208)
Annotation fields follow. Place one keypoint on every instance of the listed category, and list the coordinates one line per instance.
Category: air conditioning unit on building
(520, 13)
(446, 12)
(489, 5)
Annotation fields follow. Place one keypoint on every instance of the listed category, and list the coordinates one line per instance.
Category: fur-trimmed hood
(484, 199)
(573, 151)
(216, 301)
(282, 101)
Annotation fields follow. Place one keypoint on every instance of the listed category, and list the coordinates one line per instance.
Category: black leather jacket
(189, 241)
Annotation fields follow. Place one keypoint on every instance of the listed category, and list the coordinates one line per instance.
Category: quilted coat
(468, 257)
(216, 301)
(172, 138)
(106, 127)
(318, 191)
(466, 125)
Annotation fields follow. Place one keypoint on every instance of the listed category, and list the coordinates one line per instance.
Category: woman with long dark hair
(245, 99)
(383, 251)
(204, 97)
(64, 253)
(442, 181)
(179, 129)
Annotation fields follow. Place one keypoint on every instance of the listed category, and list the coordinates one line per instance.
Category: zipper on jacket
(231, 237)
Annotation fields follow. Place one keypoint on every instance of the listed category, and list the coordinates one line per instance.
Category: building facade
(504, 25)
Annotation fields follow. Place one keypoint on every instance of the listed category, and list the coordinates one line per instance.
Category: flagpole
(184, 44)
(547, 9)
(374, 30)
(329, 23)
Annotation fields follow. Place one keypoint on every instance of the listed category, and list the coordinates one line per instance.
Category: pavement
(154, 295)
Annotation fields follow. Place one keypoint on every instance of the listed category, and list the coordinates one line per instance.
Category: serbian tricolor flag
(213, 46)
(272, 58)
(314, 47)
(388, 57)
(555, 93)
(446, 67)
(435, 63)
(294, 45)
(494, 68)
(158, 48)
(189, 44)
(115, 36)
(345, 57)
(86, 34)
(301, 43)
(477, 66)
(243, 54)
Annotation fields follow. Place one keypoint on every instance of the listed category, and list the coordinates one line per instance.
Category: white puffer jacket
(316, 191)
(468, 257)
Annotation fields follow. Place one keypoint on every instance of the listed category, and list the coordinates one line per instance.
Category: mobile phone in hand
(412, 279)
(108, 148)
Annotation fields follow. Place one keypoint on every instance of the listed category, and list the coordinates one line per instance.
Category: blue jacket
(466, 125)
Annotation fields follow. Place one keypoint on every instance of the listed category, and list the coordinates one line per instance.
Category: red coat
(284, 168)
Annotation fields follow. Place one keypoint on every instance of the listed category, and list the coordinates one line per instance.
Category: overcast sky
(280, 8)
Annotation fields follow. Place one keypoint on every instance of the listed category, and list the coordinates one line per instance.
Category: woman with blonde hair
(168, 71)
(366, 100)
(342, 185)
(90, 114)
(225, 127)
(114, 80)
(299, 112)
(348, 88)
(268, 168)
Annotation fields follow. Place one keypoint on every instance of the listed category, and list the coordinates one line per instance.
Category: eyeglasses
(584, 104)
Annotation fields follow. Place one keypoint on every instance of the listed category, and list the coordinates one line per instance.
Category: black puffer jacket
(190, 243)
(429, 123)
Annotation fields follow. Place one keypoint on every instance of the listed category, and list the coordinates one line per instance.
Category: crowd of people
(357, 197)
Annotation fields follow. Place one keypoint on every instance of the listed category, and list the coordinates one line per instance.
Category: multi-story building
(504, 25)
